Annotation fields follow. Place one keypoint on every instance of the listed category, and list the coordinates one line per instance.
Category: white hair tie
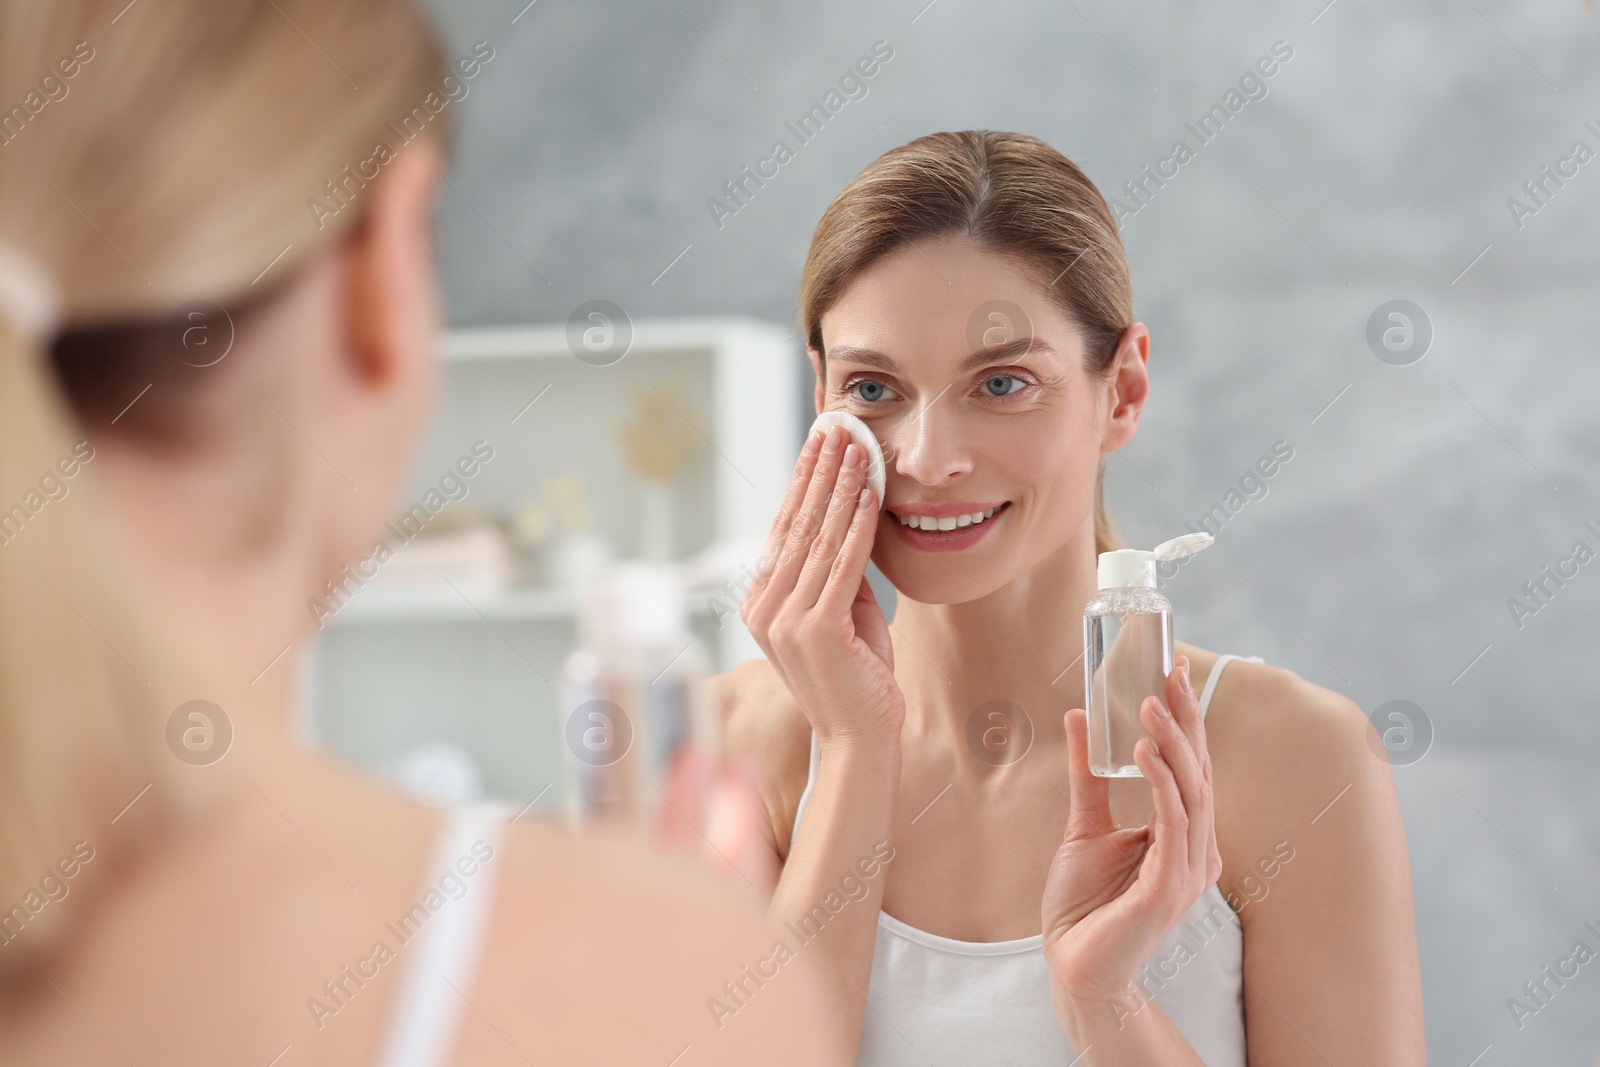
(29, 296)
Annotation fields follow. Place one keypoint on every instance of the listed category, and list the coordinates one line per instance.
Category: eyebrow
(984, 357)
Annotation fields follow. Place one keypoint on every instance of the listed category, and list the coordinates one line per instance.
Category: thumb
(872, 625)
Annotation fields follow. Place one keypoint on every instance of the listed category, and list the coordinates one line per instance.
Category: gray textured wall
(1378, 166)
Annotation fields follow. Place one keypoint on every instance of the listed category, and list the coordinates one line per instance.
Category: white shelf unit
(401, 667)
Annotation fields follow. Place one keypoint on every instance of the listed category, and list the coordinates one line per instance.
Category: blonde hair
(1009, 193)
(152, 155)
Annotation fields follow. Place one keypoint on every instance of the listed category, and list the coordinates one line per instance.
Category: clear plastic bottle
(634, 695)
(1127, 650)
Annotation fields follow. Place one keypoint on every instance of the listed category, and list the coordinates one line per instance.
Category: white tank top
(442, 956)
(935, 1000)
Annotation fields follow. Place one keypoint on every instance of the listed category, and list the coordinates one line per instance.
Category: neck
(1022, 643)
(226, 537)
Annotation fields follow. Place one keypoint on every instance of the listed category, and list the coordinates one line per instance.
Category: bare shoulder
(660, 935)
(1276, 737)
(762, 724)
(1294, 765)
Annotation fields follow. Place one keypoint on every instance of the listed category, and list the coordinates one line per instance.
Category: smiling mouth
(929, 524)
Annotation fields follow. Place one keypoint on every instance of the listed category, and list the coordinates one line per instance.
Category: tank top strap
(1216, 672)
(443, 936)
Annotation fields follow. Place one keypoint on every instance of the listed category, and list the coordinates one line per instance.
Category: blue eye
(1002, 378)
(871, 391)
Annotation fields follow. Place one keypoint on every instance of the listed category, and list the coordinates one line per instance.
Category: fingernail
(1161, 708)
(813, 444)
(1187, 688)
(830, 443)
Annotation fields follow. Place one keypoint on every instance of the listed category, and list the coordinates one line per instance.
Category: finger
(792, 500)
(864, 526)
(808, 521)
(1169, 867)
(850, 565)
(822, 558)
(871, 624)
(1186, 709)
(1088, 794)
(1194, 792)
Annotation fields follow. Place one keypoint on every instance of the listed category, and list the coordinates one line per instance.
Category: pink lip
(944, 511)
(951, 541)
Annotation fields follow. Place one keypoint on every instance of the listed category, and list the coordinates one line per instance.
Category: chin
(937, 581)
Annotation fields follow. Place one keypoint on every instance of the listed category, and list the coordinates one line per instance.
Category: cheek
(1054, 459)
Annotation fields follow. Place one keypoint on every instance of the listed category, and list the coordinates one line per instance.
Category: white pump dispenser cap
(1136, 568)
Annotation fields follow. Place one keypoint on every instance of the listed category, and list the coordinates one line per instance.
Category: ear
(816, 367)
(389, 298)
(1128, 386)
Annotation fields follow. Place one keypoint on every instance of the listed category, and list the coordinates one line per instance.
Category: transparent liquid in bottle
(1127, 636)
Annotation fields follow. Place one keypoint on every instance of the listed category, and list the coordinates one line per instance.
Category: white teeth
(924, 522)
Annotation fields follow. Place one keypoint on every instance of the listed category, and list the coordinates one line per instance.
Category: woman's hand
(810, 607)
(1112, 893)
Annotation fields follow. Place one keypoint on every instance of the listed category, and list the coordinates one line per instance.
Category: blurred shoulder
(589, 928)
(762, 724)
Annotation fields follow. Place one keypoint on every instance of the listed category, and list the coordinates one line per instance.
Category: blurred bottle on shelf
(634, 696)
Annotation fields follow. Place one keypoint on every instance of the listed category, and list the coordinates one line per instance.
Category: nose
(928, 447)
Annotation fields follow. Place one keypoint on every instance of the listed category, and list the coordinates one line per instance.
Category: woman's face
(973, 382)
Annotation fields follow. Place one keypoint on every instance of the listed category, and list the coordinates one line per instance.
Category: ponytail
(77, 681)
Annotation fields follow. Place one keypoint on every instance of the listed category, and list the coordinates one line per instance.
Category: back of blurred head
(154, 157)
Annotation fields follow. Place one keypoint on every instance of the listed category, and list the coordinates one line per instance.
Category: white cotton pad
(862, 436)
